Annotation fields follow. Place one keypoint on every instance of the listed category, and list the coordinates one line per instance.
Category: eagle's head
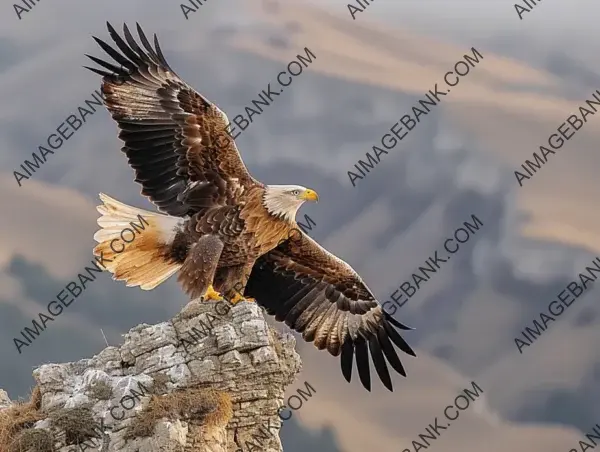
(283, 201)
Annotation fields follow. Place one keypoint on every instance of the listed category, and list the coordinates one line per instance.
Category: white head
(283, 201)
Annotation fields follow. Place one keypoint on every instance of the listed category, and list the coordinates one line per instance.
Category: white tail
(133, 242)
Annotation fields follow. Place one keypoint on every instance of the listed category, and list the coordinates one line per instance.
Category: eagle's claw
(237, 297)
(212, 294)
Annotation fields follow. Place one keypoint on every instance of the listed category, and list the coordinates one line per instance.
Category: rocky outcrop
(211, 379)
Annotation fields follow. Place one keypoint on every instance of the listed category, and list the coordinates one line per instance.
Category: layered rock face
(211, 379)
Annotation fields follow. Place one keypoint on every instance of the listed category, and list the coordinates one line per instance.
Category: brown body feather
(245, 230)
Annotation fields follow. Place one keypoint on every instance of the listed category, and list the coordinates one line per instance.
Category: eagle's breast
(262, 230)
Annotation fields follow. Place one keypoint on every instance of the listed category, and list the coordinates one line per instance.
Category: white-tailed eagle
(219, 226)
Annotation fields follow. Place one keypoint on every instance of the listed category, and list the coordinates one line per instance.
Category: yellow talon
(238, 296)
(212, 294)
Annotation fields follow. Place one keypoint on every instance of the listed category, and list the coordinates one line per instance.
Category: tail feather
(134, 243)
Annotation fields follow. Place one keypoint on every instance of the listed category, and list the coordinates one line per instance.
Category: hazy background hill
(459, 161)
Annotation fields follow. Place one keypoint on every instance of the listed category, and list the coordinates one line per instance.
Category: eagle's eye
(295, 192)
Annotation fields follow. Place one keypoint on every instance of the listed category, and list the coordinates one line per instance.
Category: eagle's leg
(234, 282)
(198, 270)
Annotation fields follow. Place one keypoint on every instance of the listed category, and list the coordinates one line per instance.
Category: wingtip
(397, 324)
(110, 28)
(346, 360)
(362, 362)
(104, 197)
(98, 71)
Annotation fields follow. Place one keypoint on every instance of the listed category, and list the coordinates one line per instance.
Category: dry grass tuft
(204, 406)
(77, 423)
(36, 398)
(100, 390)
(33, 440)
(19, 417)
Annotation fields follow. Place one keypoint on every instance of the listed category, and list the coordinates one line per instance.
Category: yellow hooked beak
(309, 195)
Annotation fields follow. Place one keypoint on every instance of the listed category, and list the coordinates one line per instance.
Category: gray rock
(4, 399)
(201, 350)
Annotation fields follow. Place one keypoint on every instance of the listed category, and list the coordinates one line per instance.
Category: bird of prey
(218, 225)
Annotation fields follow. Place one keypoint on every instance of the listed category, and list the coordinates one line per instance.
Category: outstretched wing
(321, 296)
(175, 139)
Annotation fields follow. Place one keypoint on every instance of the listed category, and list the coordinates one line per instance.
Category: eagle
(219, 228)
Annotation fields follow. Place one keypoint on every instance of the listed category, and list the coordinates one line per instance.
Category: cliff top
(210, 379)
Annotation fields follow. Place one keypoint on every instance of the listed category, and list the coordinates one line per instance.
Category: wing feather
(362, 362)
(379, 362)
(347, 359)
(321, 296)
(389, 353)
(173, 135)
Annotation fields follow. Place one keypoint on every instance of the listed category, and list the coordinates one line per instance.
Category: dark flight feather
(322, 297)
